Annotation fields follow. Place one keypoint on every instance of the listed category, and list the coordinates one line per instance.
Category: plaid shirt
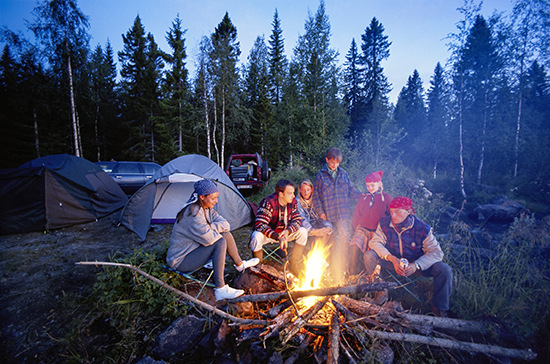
(332, 196)
(270, 218)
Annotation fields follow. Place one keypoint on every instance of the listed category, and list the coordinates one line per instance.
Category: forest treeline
(483, 118)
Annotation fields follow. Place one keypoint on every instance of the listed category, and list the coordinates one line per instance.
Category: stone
(180, 336)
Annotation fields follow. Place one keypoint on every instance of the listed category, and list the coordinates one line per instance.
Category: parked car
(248, 171)
(130, 176)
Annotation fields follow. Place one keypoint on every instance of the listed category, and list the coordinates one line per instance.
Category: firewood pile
(330, 318)
(338, 323)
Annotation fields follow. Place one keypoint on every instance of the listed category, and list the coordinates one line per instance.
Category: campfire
(328, 321)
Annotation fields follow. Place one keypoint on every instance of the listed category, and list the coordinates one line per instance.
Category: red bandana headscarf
(401, 202)
(374, 177)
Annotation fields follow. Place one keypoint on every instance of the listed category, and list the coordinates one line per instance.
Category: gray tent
(162, 198)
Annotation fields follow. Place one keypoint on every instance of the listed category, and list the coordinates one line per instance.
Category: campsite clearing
(42, 290)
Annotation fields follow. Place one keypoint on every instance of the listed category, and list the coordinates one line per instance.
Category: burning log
(280, 321)
(276, 281)
(301, 321)
(276, 310)
(330, 291)
(334, 339)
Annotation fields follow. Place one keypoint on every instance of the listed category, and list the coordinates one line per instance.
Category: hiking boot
(439, 313)
(380, 297)
(227, 292)
(247, 264)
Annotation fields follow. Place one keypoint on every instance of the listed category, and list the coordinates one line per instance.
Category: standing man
(403, 235)
(278, 221)
(332, 201)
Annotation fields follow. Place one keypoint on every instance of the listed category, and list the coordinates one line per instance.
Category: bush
(510, 282)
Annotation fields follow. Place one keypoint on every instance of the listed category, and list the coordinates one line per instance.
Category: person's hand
(323, 216)
(283, 240)
(410, 270)
(283, 243)
(397, 266)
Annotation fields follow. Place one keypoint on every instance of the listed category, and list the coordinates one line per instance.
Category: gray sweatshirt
(202, 227)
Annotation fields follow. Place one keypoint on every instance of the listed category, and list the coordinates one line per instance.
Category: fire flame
(315, 265)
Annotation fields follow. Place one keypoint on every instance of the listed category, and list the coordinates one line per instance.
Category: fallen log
(189, 298)
(301, 321)
(276, 310)
(278, 282)
(363, 308)
(330, 291)
(453, 344)
(334, 339)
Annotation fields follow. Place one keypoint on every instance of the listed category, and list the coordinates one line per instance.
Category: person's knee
(256, 241)
(301, 236)
(370, 258)
(442, 270)
(221, 243)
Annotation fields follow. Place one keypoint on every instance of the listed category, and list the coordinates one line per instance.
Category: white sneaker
(227, 292)
(247, 264)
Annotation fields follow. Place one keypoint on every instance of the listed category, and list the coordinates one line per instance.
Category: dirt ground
(40, 284)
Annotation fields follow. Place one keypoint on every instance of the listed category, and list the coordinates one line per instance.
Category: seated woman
(314, 225)
(200, 234)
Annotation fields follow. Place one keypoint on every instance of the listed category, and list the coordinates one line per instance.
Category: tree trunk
(483, 137)
(207, 120)
(223, 130)
(460, 140)
(76, 126)
(518, 127)
(36, 140)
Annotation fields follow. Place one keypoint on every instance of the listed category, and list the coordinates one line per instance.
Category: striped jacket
(272, 218)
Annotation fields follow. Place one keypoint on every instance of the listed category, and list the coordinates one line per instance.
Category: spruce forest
(479, 125)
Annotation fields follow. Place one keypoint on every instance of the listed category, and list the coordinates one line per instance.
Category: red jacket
(368, 217)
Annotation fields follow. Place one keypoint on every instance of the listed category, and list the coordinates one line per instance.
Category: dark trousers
(441, 273)
(200, 256)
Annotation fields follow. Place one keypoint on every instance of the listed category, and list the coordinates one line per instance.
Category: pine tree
(375, 48)
(175, 89)
(324, 121)
(437, 132)
(352, 85)
(224, 58)
(278, 63)
(141, 65)
(257, 86)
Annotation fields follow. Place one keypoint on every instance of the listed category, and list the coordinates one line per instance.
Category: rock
(182, 335)
(501, 210)
(149, 360)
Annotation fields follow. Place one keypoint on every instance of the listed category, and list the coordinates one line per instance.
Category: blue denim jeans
(441, 273)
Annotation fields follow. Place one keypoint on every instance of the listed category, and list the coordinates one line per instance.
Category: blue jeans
(441, 273)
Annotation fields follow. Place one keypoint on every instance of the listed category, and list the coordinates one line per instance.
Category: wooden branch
(334, 339)
(296, 353)
(276, 310)
(456, 345)
(189, 298)
(301, 321)
(330, 291)
(278, 282)
(278, 322)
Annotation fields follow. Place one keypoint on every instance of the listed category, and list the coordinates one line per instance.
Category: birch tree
(62, 29)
